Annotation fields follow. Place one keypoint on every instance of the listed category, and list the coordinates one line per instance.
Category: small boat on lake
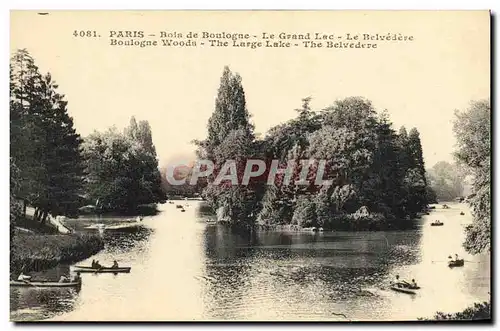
(406, 290)
(437, 223)
(78, 268)
(44, 284)
(456, 263)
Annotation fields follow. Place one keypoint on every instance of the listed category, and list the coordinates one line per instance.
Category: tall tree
(230, 137)
(44, 143)
(230, 111)
(472, 129)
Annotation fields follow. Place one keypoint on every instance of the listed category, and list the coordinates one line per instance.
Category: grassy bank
(35, 252)
(480, 311)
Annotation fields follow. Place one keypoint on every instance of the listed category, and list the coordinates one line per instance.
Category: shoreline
(39, 252)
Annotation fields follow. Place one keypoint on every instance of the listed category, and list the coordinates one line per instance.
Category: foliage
(447, 181)
(367, 162)
(231, 137)
(33, 252)
(44, 144)
(473, 131)
(480, 311)
(122, 168)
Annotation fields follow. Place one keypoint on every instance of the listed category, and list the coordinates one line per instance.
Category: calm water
(186, 269)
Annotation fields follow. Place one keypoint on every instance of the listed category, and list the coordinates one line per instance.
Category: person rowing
(115, 265)
(76, 278)
(97, 265)
(400, 283)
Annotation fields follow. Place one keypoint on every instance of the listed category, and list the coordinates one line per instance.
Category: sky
(420, 83)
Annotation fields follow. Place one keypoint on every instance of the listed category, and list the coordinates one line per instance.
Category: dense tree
(374, 172)
(447, 180)
(122, 168)
(44, 144)
(472, 128)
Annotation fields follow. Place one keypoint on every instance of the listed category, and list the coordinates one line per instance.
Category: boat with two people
(96, 267)
(404, 286)
(437, 223)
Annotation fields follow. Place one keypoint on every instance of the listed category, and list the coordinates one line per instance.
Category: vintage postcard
(250, 166)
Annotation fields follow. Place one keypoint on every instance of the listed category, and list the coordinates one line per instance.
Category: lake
(185, 268)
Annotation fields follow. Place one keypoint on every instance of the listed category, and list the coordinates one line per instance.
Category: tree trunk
(36, 216)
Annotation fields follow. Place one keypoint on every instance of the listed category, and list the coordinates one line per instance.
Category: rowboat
(437, 223)
(405, 289)
(456, 263)
(79, 268)
(17, 283)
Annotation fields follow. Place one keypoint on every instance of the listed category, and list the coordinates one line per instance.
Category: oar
(27, 282)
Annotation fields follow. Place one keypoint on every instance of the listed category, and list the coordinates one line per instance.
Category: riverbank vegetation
(35, 252)
(378, 174)
(473, 132)
(479, 311)
(447, 180)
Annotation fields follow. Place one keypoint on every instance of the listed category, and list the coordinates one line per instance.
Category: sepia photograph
(270, 166)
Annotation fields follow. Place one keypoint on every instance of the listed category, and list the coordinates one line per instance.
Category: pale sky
(420, 83)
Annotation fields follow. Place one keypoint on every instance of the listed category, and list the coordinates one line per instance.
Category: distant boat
(79, 268)
(437, 223)
(462, 213)
(456, 263)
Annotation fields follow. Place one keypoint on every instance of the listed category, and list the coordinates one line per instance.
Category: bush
(35, 252)
(480, 311)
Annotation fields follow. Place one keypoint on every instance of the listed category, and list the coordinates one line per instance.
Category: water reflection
(31, 304)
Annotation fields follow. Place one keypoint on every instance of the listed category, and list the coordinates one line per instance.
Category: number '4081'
(85, 33)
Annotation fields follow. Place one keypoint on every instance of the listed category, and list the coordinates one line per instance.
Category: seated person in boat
(23, 278)
(76, 278)
(413, 284)
(63, 279)
(97, 265)
(115, 265)
(456, 257)
(401, 283)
